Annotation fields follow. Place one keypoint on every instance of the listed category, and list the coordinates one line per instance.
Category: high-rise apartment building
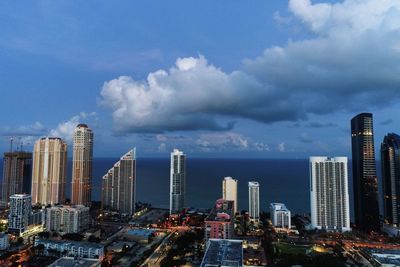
(254, 202)
(82, 165)
(19, 214)
(119, 185)
(49, 171)
(220, 222)
(280, 215)
(67, 219)
(329, 194)
(365, 181)
(390, 160)
(177, 191)
(229, 191)
(17, 174)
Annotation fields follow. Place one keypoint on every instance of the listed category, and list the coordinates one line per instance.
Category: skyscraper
(119, 185)
(20, 211)
(254, 202)
(365, 181)
(82, 165)
(329, 194)
(49, 171)
(229, 191)
(17, 174)
(177, 182)
(390, 160)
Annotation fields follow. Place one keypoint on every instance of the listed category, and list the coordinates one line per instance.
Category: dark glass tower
(17, 174)
(390, 160)
(365, 181)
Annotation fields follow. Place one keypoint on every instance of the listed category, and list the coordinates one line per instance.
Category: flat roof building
(280, 215)
(219, 223)
(223, 253)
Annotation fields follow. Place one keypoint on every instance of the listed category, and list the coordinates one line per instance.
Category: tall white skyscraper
(82, 166)
(20, 211)
(49, 172)
(229, 191)
(254, 202)
(329, 194)
(177, 182)
(119, 185)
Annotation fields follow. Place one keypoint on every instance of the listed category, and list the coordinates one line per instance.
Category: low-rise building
(75, 262)
(223, 252)
(280, 215)
(73, 248)
(4, 241)
(67, 219)
(220, 222)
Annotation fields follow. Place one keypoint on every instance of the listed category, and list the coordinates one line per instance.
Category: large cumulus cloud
(350, 61)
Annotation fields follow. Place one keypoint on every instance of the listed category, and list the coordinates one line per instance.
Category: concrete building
(220, 222)
(365, 180)
(4, 241)
(73, 248)
(329, 194)
(229, 191)
(280, 215)
(390, 160)
(20, 211)
(17, 174)
(177, 191)
(75, 262)
(82, 166)
(223, 253)
(49, 171)
(67, 219)
(254, 202)
(119, 185)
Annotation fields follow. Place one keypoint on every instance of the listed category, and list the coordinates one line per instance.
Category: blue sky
(275, 79)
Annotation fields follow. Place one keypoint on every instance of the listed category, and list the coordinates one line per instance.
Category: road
(155, 257)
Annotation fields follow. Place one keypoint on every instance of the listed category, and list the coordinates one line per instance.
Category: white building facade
(119, 185)
(254, 202)
(280, 215)
(229, 191)
(67, 219)
(177, 191)
(329, 194)
(19, 214)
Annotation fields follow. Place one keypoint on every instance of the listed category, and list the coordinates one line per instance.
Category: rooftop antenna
(11, 143)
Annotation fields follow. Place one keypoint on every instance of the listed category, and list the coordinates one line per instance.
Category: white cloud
(352, 52)
(282, 147)
(65, 129)
(34, 129)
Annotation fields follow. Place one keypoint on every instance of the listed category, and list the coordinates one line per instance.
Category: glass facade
(365, 181)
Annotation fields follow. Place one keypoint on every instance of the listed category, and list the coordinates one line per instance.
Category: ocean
(281, 180)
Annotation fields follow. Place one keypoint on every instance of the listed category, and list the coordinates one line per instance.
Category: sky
(259, 79)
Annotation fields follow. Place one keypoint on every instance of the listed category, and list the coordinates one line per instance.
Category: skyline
(90, 68)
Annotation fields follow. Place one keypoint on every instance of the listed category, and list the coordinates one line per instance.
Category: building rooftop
(82, 125)
(223, 252)
(72, 262)
(69, 242)
(279, 207)
(385, 257)
(222, 211)
(140, 232)
(254, 184)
